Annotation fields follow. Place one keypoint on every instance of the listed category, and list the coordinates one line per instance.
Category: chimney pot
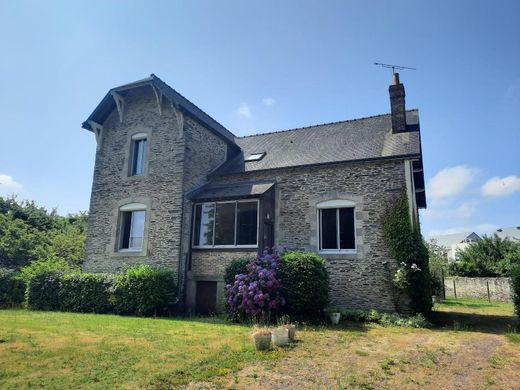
(396, 79)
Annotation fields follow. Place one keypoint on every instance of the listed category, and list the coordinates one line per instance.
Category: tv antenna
(394, 67)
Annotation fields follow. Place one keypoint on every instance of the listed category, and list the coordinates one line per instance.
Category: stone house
(173, 187)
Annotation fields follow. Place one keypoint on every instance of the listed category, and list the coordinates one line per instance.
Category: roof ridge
(319, 125)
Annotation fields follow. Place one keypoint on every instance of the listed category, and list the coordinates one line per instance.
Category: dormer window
(139, 151)
(255, 157)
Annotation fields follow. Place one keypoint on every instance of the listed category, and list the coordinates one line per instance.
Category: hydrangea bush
(256, 295)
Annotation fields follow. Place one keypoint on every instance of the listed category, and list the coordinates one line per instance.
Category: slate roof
(352, 140)
(107, 105)
(447, 240)
(234, 191)
(513, 233)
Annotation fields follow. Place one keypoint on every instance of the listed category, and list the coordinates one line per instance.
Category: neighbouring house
(173, 187)
(511, 233)
(453, 243)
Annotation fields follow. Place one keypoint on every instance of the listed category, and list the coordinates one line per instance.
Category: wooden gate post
(454, 289)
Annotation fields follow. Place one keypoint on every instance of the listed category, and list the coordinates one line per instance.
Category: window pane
(329, 233)
(137, 230)
(126, 223)
(139, 157)
(346, 228)
(247, 223)
(205, 224)
(196, 231)
(225, 224)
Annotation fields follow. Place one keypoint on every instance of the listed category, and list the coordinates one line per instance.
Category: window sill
(226, 248)
(129, 252)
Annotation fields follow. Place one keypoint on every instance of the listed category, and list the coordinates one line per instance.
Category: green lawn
(65, 350)
(475, 306)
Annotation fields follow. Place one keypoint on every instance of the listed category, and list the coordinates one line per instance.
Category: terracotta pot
(292, 331)
(262, 342)
(334, 318)
(280, 337)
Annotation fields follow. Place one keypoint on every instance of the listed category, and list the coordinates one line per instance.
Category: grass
(475, 306)
(65, 350)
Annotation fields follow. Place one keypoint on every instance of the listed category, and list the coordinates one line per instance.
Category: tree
(489, 257)
(438, 262)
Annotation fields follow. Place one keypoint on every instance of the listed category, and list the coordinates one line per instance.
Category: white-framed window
(139, 149)
(226, 224)
(131, 231)
(337, 226)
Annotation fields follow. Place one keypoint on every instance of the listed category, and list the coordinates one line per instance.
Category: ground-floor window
(131, 232)
(337, 232)
(226, 224)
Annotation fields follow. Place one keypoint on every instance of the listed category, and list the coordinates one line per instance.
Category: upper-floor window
(139, 151)
(132, 219)
(337, 228)
(226, 224)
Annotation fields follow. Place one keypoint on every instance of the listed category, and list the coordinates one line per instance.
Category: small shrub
(384, 319)
(12, 289)
(305, 283)
(515, 284)
(43, 291)
(236, 267)
(87, 293)
(144, 291)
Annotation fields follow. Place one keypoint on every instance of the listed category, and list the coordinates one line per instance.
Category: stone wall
(461, 287)
(357, 280)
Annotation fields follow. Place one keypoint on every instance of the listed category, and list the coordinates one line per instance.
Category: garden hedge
(12, 289)
(515, 284)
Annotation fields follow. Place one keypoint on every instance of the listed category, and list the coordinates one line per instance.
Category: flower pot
(434, 299)
(280, 337)
(334, 318)
(262, 341)
(291, 328)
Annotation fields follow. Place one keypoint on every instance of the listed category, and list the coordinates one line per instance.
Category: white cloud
(483, 228)
(497, 186)
(465, 210)
(244, 111)
(451, 181)
(8, 184)
(268, 101)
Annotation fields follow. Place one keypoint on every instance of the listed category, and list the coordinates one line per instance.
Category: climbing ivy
(406, 245)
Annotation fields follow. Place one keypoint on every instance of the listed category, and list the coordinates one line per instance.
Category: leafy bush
(87, 293)
(12, 289)
(305, 283)
(256, 295)
(384, 319)
(489, 257)
(406, 245)
(515, 284)
(236, 267)
(41, 266)
(144, 290)
(43, 291)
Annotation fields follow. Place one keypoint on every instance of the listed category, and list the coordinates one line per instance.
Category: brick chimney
(397, 106)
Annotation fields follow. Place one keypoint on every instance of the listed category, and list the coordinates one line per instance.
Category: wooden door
(206, 298)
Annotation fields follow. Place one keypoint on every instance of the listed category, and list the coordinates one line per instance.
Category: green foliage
(38, 267)
(385, 319)
(43, 291)
(87, 293)
(12, 289)
(406, 245)
(515, 284)
(489, 257)
(305, 283)
(144, 290)
(438, 263)
(29, 233)
(236, 267)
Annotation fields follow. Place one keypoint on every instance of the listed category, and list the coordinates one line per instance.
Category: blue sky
(265, 66)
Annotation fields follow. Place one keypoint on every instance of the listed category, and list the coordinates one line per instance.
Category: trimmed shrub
(12, 289)
(236, 267)
(144, 291)
(305, 283)
(87, 293)
(515, 284)
(43, 291)
(41, 266)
